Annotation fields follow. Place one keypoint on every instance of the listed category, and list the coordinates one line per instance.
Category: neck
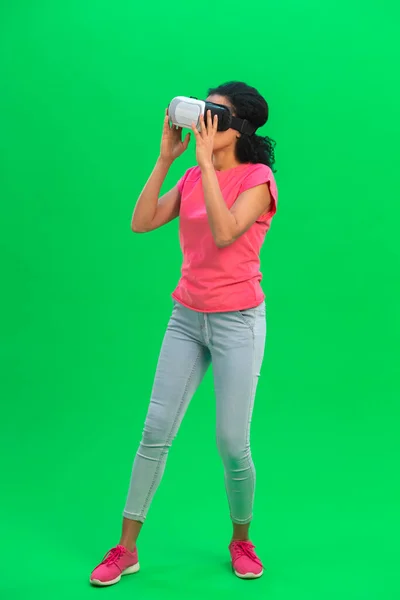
(224, 160)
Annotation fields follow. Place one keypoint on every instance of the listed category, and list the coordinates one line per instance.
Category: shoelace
(113, 555)
(245, 549)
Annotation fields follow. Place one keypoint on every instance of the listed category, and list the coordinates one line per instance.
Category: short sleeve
(181, 183)
(259, 175)
(182, 180)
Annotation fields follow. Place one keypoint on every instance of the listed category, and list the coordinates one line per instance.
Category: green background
(84, 302)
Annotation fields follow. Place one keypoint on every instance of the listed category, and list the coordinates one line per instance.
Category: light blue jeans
(234, 343)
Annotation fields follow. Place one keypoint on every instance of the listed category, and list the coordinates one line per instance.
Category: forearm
(222, 222)
(146, 206)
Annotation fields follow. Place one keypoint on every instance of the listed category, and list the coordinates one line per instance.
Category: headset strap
(243, 126)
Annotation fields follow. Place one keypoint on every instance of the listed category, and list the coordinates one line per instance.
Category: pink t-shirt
(221, 279)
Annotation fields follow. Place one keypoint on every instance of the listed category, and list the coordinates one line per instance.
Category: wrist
(164, 162)
(207, 167)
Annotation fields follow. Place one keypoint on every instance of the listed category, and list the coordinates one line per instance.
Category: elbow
(223, 242)
(136, 228)
(226, 237)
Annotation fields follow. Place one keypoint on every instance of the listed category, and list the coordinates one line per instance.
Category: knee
(155, 433)
(233, 449)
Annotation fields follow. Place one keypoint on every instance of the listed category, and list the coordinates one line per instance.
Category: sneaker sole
(249, 575)
(128, 571)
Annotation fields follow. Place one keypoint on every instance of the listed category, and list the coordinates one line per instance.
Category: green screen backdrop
(84, 302)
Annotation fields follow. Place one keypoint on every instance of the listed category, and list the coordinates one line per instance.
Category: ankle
(128, 545)
(240, 532)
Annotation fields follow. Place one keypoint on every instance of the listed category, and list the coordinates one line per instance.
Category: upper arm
(257, 200)
(250, 206)
(167, 208)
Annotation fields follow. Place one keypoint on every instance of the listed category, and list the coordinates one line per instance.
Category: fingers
(212, 124)
(195, 131)
(203, 128)
(209, 121)
(186, 141)
(215, 124)
(166, 123)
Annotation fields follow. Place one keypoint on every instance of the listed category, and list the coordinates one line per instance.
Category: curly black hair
(249, 104)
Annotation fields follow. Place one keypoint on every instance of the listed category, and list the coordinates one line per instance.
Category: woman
(225, 206)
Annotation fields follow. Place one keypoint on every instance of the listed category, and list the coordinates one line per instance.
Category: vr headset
(184, 111)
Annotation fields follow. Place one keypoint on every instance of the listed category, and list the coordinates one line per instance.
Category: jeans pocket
(249, 316)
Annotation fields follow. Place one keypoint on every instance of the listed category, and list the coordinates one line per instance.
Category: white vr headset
(184, 111)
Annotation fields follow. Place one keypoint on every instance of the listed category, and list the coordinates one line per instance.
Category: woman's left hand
(205, 140)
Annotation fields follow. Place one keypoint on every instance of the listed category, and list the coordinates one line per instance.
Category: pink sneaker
(117, 562)
(245, 562)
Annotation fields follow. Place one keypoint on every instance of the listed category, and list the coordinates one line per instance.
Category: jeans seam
(140, 517)
(251, 464)
(242, 521)
(170, 436)
(245, 322)
(251, 406)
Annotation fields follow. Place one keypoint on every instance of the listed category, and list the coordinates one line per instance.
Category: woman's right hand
(172, 145)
